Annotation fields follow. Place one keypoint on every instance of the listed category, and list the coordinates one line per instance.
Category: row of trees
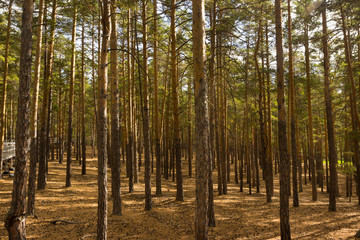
(143, 49)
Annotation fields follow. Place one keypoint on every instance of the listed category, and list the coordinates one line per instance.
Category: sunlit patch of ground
(238, 215)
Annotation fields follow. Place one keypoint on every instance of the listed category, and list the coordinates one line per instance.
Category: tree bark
(156, 103)
(329, 115)
(203, 159)
(174, 82)
(292, 113)
(15, 218)
(83, 130)
(115, 128)
(145, 112)
(102, 123)
(33, 117)
(71, 100)
(282, 138)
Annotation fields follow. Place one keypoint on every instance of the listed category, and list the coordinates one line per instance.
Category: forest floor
(238, 215)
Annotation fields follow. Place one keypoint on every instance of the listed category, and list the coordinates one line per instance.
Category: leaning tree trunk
(101, 125)
(201, 120)
(282, 138)
(15, 218)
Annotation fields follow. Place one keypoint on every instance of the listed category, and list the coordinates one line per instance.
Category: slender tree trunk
(190, 151)
(353, 104)
(156, 103)
(269, 148)
(201, 120)
(15, 218)
(292, 113)
(329, 115)
(115, 128)
(282, 138)
(310, 121)
(101, 125)
(83, 130)
(71, 100)
(145, 112)
(129, 150)
(45, 113)
(33, 117)
(174, 82)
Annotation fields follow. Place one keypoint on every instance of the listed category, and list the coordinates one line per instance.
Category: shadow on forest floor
(238, 215)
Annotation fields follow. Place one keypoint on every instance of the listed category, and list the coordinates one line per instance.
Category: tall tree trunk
(83, 131)
(292, 113)
(174, 83)
(71, 100)
(353, 103)
(282, 138)
(269, 148)
(309, 107)
(15, 218)
(45, 113)
(156, 103)
(203, 159)
(33, 117)
(115, 128)
(129, 150)
(102, 126)
(329, 115)
(145, 112)
(4, 86)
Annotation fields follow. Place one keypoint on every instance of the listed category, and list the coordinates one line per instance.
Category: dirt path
(238, 215)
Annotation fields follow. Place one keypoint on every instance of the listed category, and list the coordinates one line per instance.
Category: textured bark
(4, 85)
(145, 112)
(292, 113)
(71, 101)
(329, 115)
(15, 218)
(201, 120)
(156, 103)
(175, 100)
(282, 138)
(115, 128)
(102, 125)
